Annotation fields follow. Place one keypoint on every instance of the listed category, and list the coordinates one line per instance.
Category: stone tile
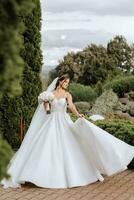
(117, 187)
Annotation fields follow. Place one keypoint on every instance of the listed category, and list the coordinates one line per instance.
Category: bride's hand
(80, 115)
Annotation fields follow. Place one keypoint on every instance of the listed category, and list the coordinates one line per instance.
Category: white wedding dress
(59, 153)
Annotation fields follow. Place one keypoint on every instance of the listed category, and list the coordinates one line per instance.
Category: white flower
(45, 96)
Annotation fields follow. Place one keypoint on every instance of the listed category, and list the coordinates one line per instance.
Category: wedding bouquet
(45, 97)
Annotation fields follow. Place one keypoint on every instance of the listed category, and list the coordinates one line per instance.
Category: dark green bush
(121, 85)
(5, 155)
(122, 129)
(82, 93)
(98, 88)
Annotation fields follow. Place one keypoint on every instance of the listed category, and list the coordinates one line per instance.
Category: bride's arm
(46, 106)
(72, 107)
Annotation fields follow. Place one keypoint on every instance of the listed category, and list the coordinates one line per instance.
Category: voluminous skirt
(65, 154)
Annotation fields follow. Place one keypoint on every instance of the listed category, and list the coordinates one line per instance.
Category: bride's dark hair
(61, 78)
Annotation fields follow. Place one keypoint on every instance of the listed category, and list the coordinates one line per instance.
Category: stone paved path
(116, 187)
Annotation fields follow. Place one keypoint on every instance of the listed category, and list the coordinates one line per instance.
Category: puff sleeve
(45, 96)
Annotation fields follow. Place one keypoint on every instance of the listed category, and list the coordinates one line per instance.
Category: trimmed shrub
(131, 108)
(82, 93)
(121, 85)
(83, 106)
(105, 103)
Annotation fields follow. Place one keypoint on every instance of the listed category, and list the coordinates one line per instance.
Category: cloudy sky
(73, 24)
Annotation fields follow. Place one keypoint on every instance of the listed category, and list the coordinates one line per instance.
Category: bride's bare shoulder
(68, 94)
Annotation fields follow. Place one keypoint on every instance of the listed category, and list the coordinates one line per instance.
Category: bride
(59, 153)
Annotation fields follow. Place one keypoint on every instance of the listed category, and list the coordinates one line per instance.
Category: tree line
(96, 63)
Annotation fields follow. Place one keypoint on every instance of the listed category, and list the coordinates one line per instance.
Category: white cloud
(88, 21)
(104, 7)
(63, 37)
(53, 55)
(71, 25)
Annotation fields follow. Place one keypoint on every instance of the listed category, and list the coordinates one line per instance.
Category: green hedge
(122, 129)
(121, 85)
(82, 93)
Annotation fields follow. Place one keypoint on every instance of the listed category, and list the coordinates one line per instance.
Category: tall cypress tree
(11, 27)
(23, 105)
(11, 66)
(32, 55)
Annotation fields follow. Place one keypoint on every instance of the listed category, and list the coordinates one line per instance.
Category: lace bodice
(58, 105)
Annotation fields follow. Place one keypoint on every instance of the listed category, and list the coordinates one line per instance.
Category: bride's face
(64, 84)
